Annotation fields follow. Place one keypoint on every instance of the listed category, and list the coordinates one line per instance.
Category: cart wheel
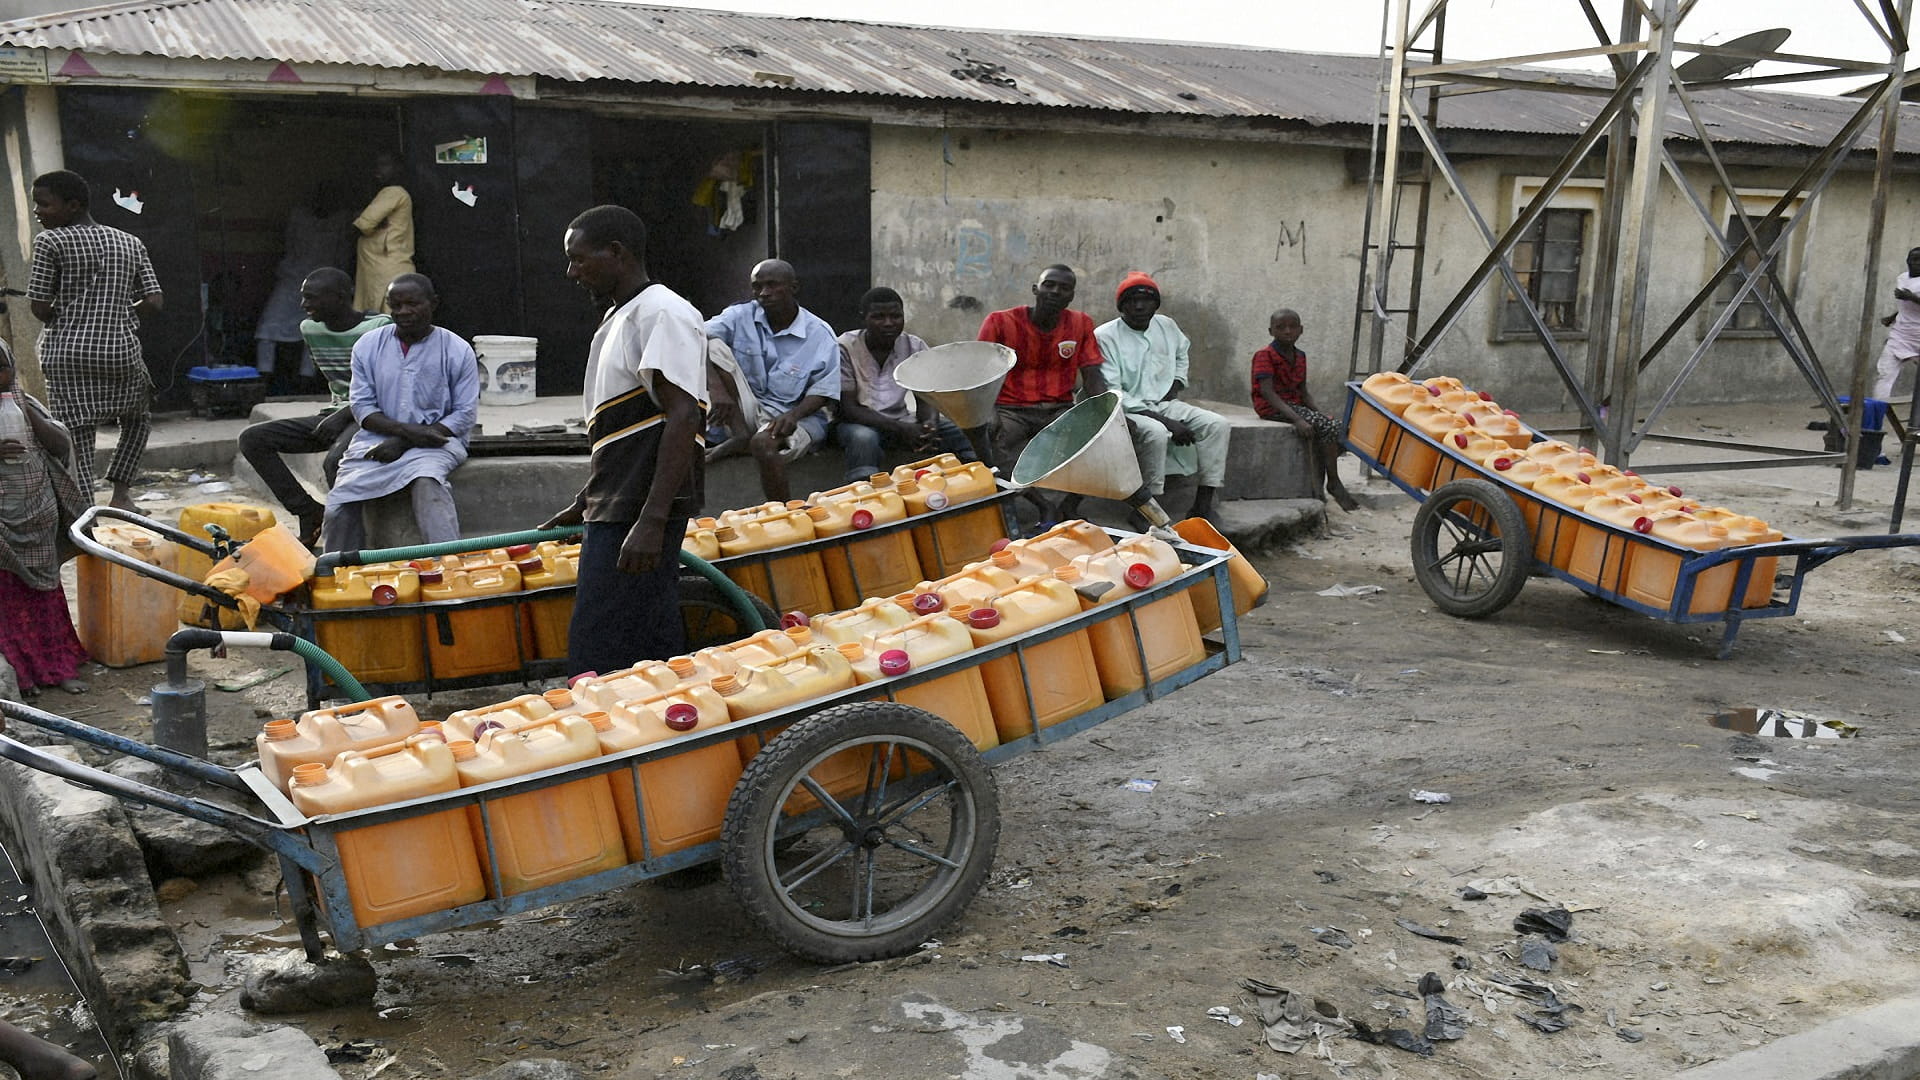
(1471, 550)
(859, 832)
(710, 617)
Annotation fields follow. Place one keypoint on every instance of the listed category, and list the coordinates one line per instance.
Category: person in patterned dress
(39, 498)
(88, 284)
(1280, 394)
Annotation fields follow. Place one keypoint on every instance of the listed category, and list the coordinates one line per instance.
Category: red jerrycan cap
(1434, 390)
(863, 519)
(1469, 418)
(432, 577)
(385, 595)
(1583, 478)
(999, 545)
(794, 618)
(1632, 498)
(920, 474)
(480, 729)
(1484, 396)
(519, 551)
(1502, 464)
(983, 618)
(681, 716)
(1643, 524)
(927, 603)
(1673, 490)
(895, 662)
(937, 501)
(1460, 440)
(575, 681)
(1140, 575)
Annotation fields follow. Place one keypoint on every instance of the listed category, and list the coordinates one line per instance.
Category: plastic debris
(1137, 784)
(1176, 1033)
(1432, 796)
(214, 487)
(1412, 927)
(1628, 1035)
(1537, 953)
(1895, 636)
(1395, 1037)
(1293, 1020)
(1782, 724)
(1445, 1020)
(1342, 590)
(1331, 935)
(1225, 1016)
(151, 497)
(1057, 959)
(1555, 923)
(1468, 892)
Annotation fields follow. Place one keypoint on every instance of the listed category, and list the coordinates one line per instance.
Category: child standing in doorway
(39, 496)
(1280, 394)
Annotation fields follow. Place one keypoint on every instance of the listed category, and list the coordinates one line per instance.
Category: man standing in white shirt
(645, 403)
(1903, 343)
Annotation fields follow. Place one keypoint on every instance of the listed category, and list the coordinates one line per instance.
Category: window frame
(1582, 195)
(1787, 269)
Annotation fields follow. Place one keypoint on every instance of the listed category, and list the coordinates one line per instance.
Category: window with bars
(1547, 262)
(1748, 315)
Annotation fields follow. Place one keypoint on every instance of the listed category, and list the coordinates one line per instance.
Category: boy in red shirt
(1280, 394)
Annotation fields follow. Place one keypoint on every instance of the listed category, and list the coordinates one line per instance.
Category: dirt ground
(1725, 889)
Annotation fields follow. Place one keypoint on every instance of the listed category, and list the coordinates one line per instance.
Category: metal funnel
(961, 379)
(1086, 451)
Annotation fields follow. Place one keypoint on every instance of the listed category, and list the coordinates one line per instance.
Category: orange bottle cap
(726, 533)
(725, 684)
(311, 774)
(853, 651)
(559, 697)
(818, 513)
(682, 665)
(801, 634)
(600, 720)
(1067, 573)
(881, 479)
(907, 487)
(463, 749)
(1005, 559)
(796, 504)
(281, 729)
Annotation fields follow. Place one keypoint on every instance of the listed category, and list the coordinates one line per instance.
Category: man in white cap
(1146, 362)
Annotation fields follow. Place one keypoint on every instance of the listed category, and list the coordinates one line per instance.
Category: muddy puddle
(36, 994)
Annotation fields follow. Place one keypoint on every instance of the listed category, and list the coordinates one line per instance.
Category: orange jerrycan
(796, 582)
(374, 650)
(1249, 587)
(1561, 457)
(242, 522)
(126, 617)
(1553, 540)
(324, 734)
(1383, 394)
(959, 698)
(400, 869)
(1502, 424)
(509, 715)
(1518, 469)
(1059, 675)
(684, 796)
(645, 679)
(1600, 557)
(748, 513)
(755, 690)
(1741, 531)
(1066, 542)
(875, 616)
(547, 836)
(275, 561)
(878, 566)
(480, 641)
(1468, 442)
(971, 587)
(701, 542)
(1654, 572)
(956, 537)
(1169, 634)
(1414, 461)
(762, 648)
(546, 620)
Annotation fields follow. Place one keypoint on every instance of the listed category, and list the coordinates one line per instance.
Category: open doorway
(701, 188)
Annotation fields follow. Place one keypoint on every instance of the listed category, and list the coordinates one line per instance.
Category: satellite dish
(1713, 67)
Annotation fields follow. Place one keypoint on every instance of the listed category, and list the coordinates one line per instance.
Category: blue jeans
(862, 445)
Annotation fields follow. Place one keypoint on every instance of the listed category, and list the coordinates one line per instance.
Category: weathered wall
(964, 218)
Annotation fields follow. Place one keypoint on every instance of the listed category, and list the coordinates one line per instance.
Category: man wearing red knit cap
(1146, 361)
(1051, 346)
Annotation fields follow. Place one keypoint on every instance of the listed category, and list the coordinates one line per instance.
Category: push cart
(1478, 537)
(836, 864)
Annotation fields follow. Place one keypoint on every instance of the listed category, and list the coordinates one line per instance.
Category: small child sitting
(1280, 394)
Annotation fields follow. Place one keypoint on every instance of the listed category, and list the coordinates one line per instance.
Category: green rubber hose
(342, 678)
(742, 602)
(324, 564)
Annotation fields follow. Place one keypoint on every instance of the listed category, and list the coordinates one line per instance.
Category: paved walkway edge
(1881, 1043)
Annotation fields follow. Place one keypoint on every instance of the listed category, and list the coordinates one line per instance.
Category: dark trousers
(862, 445)
(620, 619)
(323, 433)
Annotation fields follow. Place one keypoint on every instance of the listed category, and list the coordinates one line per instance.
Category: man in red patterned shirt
(1051, 345)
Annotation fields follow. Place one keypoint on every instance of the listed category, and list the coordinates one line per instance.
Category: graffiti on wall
(1291, 238)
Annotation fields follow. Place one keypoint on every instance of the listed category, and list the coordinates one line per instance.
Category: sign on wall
(20, 64)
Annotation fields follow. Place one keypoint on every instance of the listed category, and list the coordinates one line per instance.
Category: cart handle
(81, 533)
(249, 828)
(325, 564)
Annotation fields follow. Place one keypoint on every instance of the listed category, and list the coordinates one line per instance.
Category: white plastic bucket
(507, 368)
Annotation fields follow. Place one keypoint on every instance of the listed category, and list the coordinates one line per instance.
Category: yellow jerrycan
(126, 617)
(478, 641)
(878, 566)
(319, 736)
(955, 538)
(959, 698)
(399, 869)
(874, 616)
(796, 582)
(685, 795)
(1382, 394)
(242, 522)
(547, 836)
(1169, 632)
(1653, 575)
(645, 679)
(388, 650)
(1059, 676)
(755, 690)
(1249, 587)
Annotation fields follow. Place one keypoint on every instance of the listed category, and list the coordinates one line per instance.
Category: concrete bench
(507, 494)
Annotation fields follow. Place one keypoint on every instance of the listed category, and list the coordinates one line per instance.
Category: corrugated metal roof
(580, 40)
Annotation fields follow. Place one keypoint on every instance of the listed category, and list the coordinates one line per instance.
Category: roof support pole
(1876, 225)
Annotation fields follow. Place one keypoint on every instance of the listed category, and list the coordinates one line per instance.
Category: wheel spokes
(929, 856)
(823, 859)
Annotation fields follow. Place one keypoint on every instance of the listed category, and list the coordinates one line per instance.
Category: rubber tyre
(709, 615)
(1471, 549)
(756, 854)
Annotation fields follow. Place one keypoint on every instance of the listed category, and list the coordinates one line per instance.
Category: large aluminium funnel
(1085, 451)
(961, 379)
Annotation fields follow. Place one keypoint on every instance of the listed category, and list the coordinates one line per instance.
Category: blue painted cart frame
(1804, 555)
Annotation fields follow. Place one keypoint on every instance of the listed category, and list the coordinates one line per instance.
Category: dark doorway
(824, 223)
(658, 168)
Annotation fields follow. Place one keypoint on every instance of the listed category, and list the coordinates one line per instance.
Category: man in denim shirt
(789, 362)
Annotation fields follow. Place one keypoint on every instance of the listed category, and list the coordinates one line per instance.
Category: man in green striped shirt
(331, 328)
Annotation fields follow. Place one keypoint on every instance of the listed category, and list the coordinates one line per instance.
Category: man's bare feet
(1344, 498)
(38, 1060)
(733, 447)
